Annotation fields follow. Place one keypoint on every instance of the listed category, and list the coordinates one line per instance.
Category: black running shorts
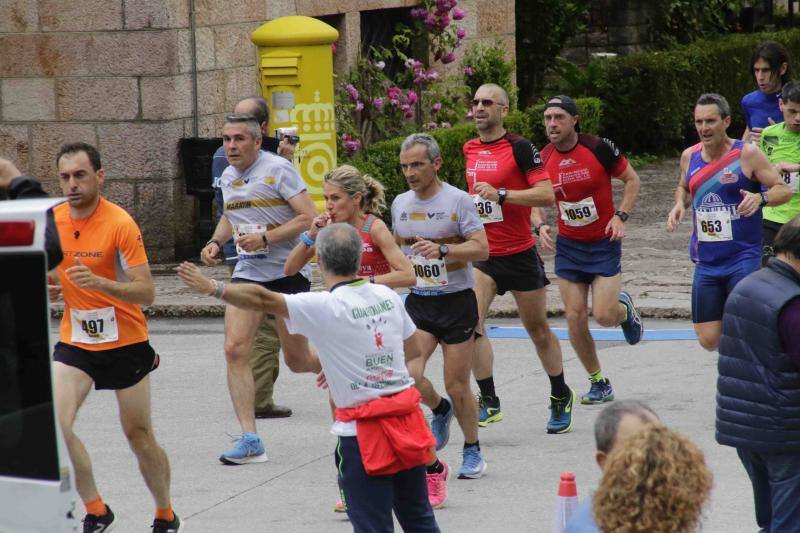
(523, 271)
(451, 318)
(288, 285)
(115, 369)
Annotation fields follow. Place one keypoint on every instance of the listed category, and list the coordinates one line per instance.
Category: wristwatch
(501, 195)
(623, 216)
(443, 251)
(764, 199)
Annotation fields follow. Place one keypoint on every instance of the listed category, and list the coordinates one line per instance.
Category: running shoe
(248, 449)
(340, 506)
(440, 426)
(437, 486)
(97, 524)
(473, 466)
(632, 326)
(167, 526)
(600, 391)
(561, 413)
(488, 411)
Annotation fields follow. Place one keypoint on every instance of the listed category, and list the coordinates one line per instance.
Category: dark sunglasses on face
(485, 102)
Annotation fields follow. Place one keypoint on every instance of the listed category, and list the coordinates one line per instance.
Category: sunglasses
(485, 102)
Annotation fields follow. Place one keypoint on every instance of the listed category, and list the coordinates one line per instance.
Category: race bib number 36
(430, 273)
(240, 230)
(488, 211)
(713, 226)
(580, 213)
(94, 326)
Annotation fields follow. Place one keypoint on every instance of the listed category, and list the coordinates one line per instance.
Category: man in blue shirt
(771, 70)
(616, 422)
(264, 359)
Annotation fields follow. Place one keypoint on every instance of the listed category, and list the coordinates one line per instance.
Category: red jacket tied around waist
(392, 433)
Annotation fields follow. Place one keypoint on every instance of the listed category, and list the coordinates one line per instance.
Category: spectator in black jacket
(15, 186)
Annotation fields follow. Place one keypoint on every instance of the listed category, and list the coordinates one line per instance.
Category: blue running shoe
(440, 426)
(248, 449)
(632, 327)
(473, 466)
(488, 411)
(600, 391)
(561, 413)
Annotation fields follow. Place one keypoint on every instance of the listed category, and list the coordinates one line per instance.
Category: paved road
(296, 490)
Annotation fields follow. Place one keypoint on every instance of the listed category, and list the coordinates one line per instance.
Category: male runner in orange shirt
(105, 278)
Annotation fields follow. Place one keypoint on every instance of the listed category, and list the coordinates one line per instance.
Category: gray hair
(250, 122)
(715, 99)
(431, 146)
(607, 423)
(339, 249)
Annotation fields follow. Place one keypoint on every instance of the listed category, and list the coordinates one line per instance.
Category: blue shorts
(713, 284)
(580, 262)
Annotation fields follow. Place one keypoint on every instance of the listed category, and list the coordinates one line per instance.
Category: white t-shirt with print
(260, 196)
(358, 329)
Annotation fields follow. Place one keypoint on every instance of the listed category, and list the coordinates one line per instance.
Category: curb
(218, 311)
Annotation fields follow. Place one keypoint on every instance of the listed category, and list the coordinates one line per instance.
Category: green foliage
(380, 159)
(683, 21)
(575, 80)
(648, 98)
(543, 28)
(487, 64)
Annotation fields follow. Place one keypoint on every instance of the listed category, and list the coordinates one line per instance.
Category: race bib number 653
(713, 226)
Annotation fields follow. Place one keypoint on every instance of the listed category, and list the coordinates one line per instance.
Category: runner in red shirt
(506, 177)
(590, 232)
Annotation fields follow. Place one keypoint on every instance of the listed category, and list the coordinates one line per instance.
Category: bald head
(256, 106)
(500, 95)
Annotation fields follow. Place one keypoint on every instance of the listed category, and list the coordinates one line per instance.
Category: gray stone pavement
(296, 490)
(656, 266)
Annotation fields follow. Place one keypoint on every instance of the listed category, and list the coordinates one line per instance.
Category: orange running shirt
(109, 243)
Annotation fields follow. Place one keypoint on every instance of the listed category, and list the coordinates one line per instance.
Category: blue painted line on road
(518, 332)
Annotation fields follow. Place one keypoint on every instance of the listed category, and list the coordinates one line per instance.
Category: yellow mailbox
(295, 64)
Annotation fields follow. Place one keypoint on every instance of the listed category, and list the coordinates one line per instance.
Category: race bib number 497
(94, 326)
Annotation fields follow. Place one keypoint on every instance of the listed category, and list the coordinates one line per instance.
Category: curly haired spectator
(655, 481)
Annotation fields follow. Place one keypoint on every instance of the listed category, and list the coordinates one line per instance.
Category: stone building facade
(135, 76)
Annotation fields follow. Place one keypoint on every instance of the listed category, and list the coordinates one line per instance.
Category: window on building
(377, 29)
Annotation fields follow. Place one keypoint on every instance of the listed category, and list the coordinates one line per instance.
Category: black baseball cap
(566, 103)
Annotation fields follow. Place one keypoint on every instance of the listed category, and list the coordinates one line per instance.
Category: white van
(37, 492)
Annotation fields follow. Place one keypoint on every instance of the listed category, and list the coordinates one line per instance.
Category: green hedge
(648, 98)
(380, 160)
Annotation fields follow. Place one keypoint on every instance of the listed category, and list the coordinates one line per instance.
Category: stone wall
(120, 74)
(613, 26)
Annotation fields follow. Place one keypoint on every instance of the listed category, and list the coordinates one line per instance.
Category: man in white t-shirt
(266, 208)
(438, 227)
(363, 334)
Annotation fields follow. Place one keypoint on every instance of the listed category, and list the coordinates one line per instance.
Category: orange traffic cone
(566, 501)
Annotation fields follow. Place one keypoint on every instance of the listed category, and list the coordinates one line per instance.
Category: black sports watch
(764, 199)
(443, 251)
(623, 216)
(501, 195)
